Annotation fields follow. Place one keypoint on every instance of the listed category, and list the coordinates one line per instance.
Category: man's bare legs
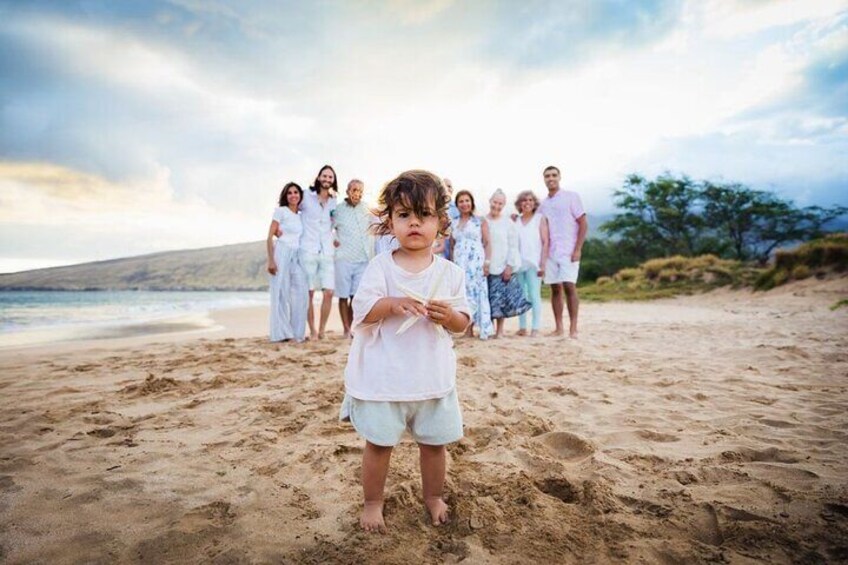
(573, 304)
(375, 468)
(326, 306)
(346, 312)
(433, 481)
(310, 317)
(557, 304)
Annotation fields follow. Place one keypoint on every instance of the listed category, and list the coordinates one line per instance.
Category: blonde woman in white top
(533, 248)
(289, 291)
(506, 299)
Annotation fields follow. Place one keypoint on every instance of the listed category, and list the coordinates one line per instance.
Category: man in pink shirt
(568, 226)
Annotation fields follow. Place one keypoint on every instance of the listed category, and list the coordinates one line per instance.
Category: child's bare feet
(438, 510)
(522, 331)
(372, 518)
(534, 333)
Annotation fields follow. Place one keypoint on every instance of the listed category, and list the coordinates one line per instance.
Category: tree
(661, 217)
(604, 257)
(755, 222)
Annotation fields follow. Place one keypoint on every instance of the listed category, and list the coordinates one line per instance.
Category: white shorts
(560, 272)
(437, 421)
(319, 270)
(348, 276)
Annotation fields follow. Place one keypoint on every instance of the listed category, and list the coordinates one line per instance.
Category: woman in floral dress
(470, 250)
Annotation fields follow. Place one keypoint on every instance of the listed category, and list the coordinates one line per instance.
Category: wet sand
(707, 428)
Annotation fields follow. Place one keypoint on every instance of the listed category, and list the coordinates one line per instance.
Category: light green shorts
(320, 270)
(437, 421)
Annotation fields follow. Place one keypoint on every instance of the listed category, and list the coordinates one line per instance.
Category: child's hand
(407, 307)
(439, 312)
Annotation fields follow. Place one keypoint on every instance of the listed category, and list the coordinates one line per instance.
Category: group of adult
(315, 244)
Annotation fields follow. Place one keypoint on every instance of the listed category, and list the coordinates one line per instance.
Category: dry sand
(708, 428)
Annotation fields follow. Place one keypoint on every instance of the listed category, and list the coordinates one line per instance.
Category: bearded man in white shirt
(316, 244)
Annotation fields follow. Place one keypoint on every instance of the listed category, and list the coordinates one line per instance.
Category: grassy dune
(814, 258)
(672, 276)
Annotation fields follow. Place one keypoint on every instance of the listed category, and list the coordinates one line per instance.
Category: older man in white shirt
(351, 221)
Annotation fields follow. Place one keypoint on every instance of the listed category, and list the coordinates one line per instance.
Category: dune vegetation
(814, 258)
(679, 275)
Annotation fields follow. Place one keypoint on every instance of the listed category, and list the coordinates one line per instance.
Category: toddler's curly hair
(417, 191)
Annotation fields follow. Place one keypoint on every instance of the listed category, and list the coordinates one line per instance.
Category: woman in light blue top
(533, 247)
(289, 290)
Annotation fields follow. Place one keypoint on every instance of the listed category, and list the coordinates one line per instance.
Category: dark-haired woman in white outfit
(289, 291)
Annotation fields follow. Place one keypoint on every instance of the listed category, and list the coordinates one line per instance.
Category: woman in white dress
(470, 250)
(289, 290)
(506, 299)
(533, 247)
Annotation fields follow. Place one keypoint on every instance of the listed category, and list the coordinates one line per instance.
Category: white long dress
(289, 290)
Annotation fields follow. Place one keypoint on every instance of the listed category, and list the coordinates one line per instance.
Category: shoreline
(236, 322)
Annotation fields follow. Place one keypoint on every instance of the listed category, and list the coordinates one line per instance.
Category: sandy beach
(697, 429)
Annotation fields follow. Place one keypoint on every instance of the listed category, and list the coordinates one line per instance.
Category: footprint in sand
(559, 488)
(777, 423)
(659, 437)
(482, 436)
(770, 455)
(565, 446)
(467, 361)
(705, 525)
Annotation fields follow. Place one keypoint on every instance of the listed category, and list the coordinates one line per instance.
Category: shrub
(818, 256)
(628, 274)
(653, 267)
(800, 272)
(669, 275)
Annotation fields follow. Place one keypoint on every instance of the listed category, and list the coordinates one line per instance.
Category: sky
(135, 127)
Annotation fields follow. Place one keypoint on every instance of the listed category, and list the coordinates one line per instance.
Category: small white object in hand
(452, 300)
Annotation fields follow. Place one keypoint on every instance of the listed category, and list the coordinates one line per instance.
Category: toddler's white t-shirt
(420, 363)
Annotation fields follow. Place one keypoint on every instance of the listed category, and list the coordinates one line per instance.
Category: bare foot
(556, 333)
(534, 333)
(497, 336)
(521, 332)
(313, 336)
(372, 518)
(346, 335)
(320, 335)
(572, 335)
(438, 510)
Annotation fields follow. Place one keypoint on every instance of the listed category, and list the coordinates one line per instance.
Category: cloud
(731, 19)
(547, 35)
(183, 118)
(66, 204)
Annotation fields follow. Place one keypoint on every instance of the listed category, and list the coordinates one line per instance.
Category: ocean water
(26, 311)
